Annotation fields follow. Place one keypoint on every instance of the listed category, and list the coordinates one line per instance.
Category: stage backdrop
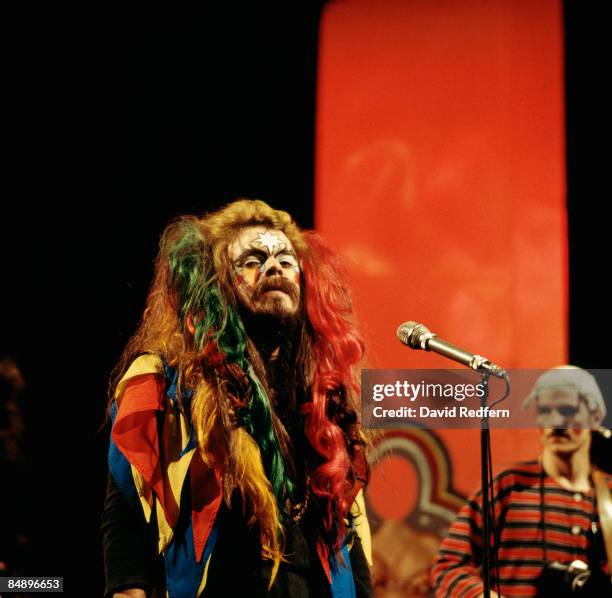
(440, 176)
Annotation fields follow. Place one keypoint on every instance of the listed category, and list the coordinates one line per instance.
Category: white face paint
(267, 272)
(564, 419)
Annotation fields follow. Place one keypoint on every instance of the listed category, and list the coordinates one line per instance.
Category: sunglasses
(564, 410)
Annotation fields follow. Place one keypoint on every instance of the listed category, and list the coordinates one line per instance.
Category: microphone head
(411, 334)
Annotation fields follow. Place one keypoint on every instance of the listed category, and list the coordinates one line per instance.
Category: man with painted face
(547, 512)
(236, 460)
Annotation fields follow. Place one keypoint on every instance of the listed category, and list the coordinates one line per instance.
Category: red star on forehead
(269, 240)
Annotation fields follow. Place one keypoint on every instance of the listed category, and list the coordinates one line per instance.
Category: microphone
(417, 336)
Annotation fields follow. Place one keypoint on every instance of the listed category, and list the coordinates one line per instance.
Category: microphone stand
(416, 336)
(486, 480)
(485, 441)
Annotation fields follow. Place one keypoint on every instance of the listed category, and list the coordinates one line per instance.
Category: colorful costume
(213, 448)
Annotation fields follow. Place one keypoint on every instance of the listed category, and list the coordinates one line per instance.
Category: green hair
(218, 327)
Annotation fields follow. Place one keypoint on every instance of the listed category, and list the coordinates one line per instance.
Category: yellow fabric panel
(204, 577)
(165, 531)
(145, 493)
(362, 525)
(144, 364)
(175, 437)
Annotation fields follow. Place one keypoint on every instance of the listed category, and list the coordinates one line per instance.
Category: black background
(115, 124)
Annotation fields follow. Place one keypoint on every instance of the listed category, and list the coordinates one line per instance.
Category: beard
(269, 319)
(262, 303)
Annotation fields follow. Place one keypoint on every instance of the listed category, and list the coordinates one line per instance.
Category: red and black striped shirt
(521, 494)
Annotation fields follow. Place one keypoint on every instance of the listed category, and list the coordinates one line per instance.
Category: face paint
(265, 263)
(561, 408)
(564, 419)
(270, 241)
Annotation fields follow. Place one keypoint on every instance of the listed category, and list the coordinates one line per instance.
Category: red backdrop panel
(440, 177)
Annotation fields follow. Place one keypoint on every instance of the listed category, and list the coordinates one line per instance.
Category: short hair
(570, 376)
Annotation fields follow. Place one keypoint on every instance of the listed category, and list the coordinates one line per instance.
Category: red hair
(331, 417)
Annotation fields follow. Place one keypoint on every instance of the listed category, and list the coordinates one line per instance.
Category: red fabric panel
(135, 434)
(206, 499)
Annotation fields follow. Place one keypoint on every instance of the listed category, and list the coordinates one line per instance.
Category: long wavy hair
(192, 320)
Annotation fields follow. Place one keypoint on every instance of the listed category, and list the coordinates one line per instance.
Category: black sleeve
(129, 544)
(361, 570)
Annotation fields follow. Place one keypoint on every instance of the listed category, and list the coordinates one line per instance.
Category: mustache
(560, 432)
(278, 283)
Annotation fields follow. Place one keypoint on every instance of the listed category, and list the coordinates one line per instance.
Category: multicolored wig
(192, 320)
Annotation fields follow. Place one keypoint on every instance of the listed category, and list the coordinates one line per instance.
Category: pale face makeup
(267, 271)
(564, 418)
